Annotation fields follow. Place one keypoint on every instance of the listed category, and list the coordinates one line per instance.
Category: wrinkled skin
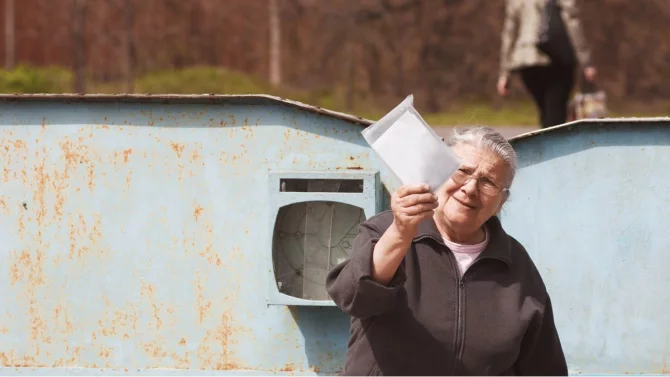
(463, 210)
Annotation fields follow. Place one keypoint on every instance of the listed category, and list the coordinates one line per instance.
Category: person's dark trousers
(550, 87)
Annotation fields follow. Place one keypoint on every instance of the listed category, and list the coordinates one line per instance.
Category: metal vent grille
(311, 238)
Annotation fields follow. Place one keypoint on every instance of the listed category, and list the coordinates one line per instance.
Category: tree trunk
(9, 34)
(79, 58)
(275, 43)
(130, 47)
(351, 76)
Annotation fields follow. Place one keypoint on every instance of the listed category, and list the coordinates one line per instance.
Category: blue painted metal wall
(134, 236)
(591, 205)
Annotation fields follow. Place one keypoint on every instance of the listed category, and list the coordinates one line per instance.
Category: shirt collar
(499, 246)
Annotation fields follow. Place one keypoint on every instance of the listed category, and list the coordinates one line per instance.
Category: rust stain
(20, 144)
(148, 291)
(62, 320)
(195, 156)
(37, 324)
(24, 267)
(289, 367)
(202, 304)
(178, 148)
(214, 349)
(349, 168)
(182, 362)
(182, 342)
(74, 154)
(96, 234)
(9, 360)
(79, 230)
(126, 155)
(91, 176)
(15, 271)
(208, 253)
(159, 321)
(129, 179)
(154, 349)
(197, 211)
(73, 239)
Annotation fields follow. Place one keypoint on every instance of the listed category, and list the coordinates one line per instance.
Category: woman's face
(466, 207)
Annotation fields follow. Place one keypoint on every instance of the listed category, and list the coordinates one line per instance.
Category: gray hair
(487, 137)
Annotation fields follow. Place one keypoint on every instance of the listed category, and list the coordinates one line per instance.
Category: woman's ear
(502, 202)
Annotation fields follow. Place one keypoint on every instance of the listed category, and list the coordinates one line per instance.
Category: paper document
(410, 148)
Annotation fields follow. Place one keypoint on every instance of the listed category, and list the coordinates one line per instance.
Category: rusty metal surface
(590, 204)
(212, 99)
(134, 235)
(588, 123)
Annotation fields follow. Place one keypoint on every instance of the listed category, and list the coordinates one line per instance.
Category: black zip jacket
(494, 320)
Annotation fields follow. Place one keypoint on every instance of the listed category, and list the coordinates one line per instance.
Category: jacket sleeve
(350, 283)
(509, 34)
(541, 351)
(576, 32)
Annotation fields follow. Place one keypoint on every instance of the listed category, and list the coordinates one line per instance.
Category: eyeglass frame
(469, 177)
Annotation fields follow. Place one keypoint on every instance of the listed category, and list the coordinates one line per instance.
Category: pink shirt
(466, 254)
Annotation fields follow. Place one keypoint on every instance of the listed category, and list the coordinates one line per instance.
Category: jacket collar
(499, 243)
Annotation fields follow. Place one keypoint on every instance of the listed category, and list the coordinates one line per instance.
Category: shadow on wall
(326, 333)
(582, 136)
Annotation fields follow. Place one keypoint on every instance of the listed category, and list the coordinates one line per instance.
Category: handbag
(590, 102)
(553, 37)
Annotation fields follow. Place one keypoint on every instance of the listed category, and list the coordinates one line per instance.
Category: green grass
(517, 114)
(214, 80)
(199, 80)
(24, 79)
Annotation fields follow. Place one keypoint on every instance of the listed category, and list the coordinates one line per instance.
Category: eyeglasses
(484, 185)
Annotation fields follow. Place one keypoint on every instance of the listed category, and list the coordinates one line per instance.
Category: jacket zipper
(460, 280)
(460, 322)
(460, 325)
(460, 306)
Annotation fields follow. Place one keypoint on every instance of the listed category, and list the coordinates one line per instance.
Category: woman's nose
(470, 187)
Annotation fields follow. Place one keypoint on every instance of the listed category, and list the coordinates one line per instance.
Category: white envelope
(410, 148)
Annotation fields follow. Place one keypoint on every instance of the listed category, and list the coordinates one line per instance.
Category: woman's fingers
(407, 190)
(416, 199)
(412, 204)
(420, 208)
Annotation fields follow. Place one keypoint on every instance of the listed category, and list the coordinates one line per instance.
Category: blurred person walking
(543, 41)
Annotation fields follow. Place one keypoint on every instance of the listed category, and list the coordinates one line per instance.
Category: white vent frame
(370, 200)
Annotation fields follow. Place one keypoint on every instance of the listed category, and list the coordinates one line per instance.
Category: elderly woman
(436, 287)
